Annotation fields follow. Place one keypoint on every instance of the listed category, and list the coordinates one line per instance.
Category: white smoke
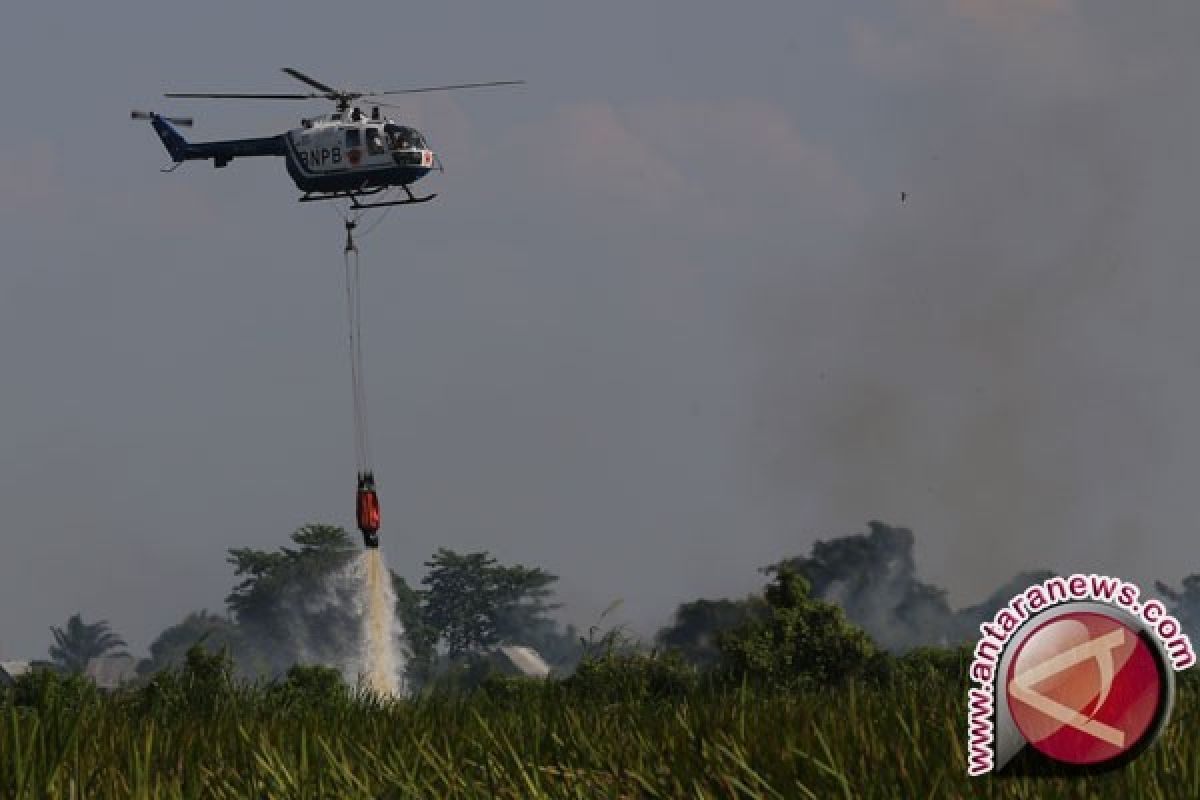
(344, 619)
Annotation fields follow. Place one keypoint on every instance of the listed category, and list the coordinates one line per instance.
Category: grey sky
(667, 321)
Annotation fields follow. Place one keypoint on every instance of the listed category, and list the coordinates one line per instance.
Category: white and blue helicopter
(348, 154)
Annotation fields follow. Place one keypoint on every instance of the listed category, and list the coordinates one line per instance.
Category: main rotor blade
(316, 84)
(445, 88)
(390, 105)
(244, 96)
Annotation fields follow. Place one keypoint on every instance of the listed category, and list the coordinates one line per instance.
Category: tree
(472, 602)
(799, 640)
(201, 685)
(422, 639)
(211, 631)
(698, 625)
(523, 595)
(296, 605)
(460, 603)
(872, 577)
(523, 616)
(78, 643)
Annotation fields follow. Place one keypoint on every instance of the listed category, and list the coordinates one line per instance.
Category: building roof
(11, 670)
(524, 660)
(109, 672)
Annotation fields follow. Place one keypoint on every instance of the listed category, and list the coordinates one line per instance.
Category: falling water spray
(382, 657)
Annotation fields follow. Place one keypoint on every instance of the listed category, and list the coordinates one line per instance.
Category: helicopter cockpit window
(402, 138)
(374, 143)
(353, 138)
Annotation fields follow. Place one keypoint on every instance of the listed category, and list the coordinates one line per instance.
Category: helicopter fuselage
(342, 153)
(331, 154)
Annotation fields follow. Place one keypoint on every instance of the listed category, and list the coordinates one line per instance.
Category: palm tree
(78, 643)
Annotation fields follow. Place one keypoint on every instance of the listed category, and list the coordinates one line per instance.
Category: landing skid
(355, 196)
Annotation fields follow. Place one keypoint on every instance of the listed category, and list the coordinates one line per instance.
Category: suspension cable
(366, 498)
(354, 320)
(362, 365)
(351, 217)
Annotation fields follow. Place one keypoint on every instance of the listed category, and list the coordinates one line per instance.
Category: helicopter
(347, 154)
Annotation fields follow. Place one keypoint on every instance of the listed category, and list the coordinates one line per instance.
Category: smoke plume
(1000, 359)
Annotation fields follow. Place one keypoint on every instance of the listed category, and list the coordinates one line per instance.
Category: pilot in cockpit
(374, 143)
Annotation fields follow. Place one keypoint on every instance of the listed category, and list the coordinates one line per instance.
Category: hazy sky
(666, 323)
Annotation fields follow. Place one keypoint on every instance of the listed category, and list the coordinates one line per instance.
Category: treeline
(301, 605)
(873, 578)
(778, 694)
(835, 610)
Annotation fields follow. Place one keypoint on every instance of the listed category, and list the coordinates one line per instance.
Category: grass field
(509, 740)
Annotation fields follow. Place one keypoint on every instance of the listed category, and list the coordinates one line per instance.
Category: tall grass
(516, 740)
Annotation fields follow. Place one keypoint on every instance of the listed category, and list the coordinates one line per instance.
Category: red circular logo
(1085, 688)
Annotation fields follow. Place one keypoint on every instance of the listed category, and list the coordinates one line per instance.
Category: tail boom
(221, 152)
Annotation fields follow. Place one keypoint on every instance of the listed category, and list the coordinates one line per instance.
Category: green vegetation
(298, 604)
(780, 694)
(624, 726)
(78, 642)
(798, 704)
